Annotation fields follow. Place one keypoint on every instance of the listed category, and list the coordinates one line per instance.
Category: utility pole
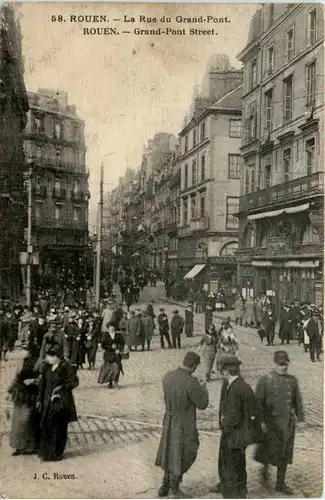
(99, 235)
(29, 240)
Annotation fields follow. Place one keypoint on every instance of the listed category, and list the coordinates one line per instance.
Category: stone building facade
(281, 204)
(13, 110)
(55, 149)
(210, 166)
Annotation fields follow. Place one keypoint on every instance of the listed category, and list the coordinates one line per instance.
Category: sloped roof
(232, 100)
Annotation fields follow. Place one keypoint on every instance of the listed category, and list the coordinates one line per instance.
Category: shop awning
(194, 271)
(305, 264)
(276, 213)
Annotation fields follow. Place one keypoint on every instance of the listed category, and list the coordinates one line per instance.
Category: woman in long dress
(208, 345)
(23, 393)
(113, 345)
(228, 344)
(56, 404)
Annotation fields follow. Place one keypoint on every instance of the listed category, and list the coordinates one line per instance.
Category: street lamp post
(99, 236)
(29, 237)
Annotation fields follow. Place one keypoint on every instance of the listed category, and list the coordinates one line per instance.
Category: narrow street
(117, 434)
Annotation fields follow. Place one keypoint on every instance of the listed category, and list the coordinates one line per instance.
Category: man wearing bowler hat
(179, 441)
(281, 406)
(238, 419)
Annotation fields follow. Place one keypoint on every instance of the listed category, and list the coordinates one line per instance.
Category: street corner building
(55, 151)
(13, 110)
(282, 187)
(210, 165)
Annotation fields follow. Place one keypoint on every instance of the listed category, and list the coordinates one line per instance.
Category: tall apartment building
(210, 166)
(281, 204)
(55, 148)
(13, 110)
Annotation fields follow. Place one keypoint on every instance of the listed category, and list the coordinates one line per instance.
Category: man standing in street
(239, 420)
(179, 441)
(314, 332)
(163, 328)
(279, 398)
(176, 326)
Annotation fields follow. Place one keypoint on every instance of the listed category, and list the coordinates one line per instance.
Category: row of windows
(59, 129)
(288, 97)
(289, 49)
(59, 212)
(263, 179)
(309, 236)
(234, 170)
(49, 153)
(287, 104)
(198, 209)
(193, 139)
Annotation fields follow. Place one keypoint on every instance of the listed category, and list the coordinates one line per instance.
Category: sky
(126, 87)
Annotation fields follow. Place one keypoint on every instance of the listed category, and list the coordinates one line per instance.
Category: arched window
(310, 235)
(229, 248)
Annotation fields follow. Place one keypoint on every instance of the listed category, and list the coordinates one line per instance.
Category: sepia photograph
(161, 250)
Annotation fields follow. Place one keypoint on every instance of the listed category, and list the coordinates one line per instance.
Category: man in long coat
(148, 329)
(179, 441)
(280, 403)
(133, 331)
(286, 324)
(238, 419)
(189, 322)
(176, 327)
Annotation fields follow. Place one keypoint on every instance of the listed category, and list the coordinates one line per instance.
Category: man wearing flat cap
(239, 423)
(179, 441)
(281, 406)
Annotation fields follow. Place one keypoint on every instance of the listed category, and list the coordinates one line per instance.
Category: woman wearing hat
(23, 393)
(55, 403)
(113, 345)
(228, 344)
(209, 345)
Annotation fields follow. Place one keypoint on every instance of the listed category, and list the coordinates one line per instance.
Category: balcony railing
(199, 224)
(171, 226)
(40, 191)
(184, 231)
(52, 222)
(59, 193)
(288, 191)
(282, 248)
(78, 196)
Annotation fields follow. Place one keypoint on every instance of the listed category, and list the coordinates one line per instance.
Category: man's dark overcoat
(179, 441)
(280, 404)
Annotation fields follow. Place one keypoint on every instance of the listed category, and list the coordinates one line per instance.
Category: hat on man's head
(175, 311)
(54, 350)
(281, 358)
(229, 361)
(161, 309)
(191, 359)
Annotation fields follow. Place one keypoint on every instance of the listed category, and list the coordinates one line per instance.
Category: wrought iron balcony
(59, 193)
(78, 196)
(199, 224)
(40, 191)
(297, 189)
(52, 222)
(281, 248)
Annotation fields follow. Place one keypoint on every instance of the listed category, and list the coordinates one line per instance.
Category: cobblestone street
(112, 447)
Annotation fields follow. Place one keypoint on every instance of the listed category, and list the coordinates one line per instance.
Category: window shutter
(255, 124)
(246, 130)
